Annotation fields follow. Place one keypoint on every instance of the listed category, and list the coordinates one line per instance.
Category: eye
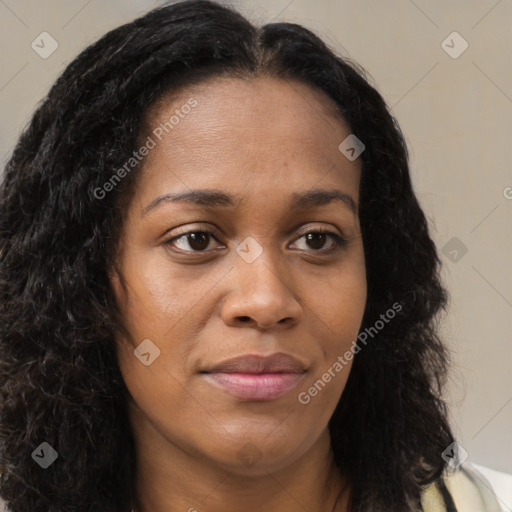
(317, 239)
(198, 241)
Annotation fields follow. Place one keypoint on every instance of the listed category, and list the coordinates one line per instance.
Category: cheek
(148, 296)
(161, 311)
(340, 302)
(159, 297)
(340, 305)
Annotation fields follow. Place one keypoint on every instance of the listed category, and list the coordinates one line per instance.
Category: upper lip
(275, 363)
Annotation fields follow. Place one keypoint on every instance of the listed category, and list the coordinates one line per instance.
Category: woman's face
(258, 285)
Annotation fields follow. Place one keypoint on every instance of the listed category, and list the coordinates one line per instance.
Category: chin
(256, 457)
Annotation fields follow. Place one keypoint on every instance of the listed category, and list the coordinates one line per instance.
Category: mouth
(256, 386)
(256, 377)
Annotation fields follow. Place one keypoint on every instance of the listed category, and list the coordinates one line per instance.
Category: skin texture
(261, 139)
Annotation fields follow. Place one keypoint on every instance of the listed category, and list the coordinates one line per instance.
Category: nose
(262, 296)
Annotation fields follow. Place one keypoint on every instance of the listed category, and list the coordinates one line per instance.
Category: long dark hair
(60, 380)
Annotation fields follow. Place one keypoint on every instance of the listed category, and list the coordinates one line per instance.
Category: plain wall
(456, 115)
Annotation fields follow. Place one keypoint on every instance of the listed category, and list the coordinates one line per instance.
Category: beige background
(456, 115)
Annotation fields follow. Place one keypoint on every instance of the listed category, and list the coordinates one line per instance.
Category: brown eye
(197, 241)
(316, 240)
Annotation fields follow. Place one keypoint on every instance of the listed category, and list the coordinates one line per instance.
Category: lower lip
(256, 386)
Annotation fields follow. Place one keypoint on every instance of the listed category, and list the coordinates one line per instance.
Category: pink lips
(253, 377)
(261, 386)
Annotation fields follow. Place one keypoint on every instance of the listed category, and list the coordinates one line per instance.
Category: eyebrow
(212, 198)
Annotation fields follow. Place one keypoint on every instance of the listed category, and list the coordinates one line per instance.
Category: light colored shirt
(469, 490)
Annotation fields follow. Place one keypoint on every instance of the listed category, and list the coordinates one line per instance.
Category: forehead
(262, 134)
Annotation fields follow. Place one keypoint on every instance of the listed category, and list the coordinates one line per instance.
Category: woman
(218, 289)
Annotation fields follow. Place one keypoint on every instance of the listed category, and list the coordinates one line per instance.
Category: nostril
(244, 318)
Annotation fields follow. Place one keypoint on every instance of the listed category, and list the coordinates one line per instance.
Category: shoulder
(467, 488)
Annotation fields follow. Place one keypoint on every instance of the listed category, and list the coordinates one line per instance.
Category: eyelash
(339, 242)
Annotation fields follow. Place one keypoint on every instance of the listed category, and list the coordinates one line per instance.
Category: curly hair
(61, 382)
